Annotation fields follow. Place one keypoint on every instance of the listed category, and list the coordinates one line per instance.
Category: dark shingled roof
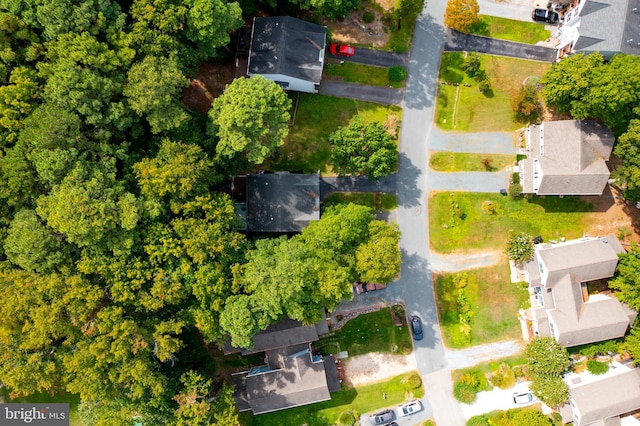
(282, 202)
(281, 334)
(288, 46)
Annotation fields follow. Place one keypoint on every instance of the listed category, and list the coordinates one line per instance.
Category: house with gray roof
(276, 202)
(602, 400)
(289, 51)
(291, 376)
(566, 157)
(605, 26)
(561, 306)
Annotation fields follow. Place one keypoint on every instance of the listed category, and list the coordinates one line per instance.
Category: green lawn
(489, 367)
(470, 228)
(363, 74)
(378, 201)
(466, 109)
(366, 333)
(465, 162)
(60, 397)
(307, 149)
(494, 301)
(509, 29)
(361, 399)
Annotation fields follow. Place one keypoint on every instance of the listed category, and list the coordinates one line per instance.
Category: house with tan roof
(566, 157)
(558, 276)
(602, 400)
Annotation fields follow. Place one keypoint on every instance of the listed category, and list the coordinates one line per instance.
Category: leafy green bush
(515, 177)
(599, 348)
(484, 86)
(597, 367)
(515, 190)
(471, 64)
(346, 418)
(480, 420)
(464, 393)
(368, 17)
(488, 207)
(521, 371)
(504, 377)
(414, 381)
(397, 73)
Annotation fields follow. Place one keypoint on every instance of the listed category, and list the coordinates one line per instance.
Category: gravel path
(376, 367)
(461, 261)
(464, 358)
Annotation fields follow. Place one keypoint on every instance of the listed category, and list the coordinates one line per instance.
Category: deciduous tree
(250, 118)
(628, 149)
(378, 259)
(627, 280)
(460, 15)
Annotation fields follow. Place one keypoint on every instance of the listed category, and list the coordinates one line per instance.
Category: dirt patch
(353, 29)
(376, 367)
(208, 83)
(612, 214)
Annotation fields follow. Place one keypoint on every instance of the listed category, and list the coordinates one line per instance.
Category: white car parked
(524, 397)
(409, 408)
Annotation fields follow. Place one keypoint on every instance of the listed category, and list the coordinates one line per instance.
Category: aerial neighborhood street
(332, 212)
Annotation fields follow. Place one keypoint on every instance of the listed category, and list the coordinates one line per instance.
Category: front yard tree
(627, 280)
(520, 247)
(547, 360)
(628, 149)
(378, 260)
(363, 149)
(460, 15)
(250, 118)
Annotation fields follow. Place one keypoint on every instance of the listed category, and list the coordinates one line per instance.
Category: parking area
(416, 418)
(496, 399)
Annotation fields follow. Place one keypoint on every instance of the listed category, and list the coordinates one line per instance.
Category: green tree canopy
(520, 247)
(250, 118)
(626, 280)
(378, 260)
(547, 360)
(460, 15)
(363, 149)
(628, 149)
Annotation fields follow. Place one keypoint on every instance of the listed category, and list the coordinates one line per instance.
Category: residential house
(566, 157)
(288, 51)
(605, 26)
(602, 400)
(276, 202)
(558, 276)
(292, 374)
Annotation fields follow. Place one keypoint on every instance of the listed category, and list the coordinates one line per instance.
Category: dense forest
(120, 259)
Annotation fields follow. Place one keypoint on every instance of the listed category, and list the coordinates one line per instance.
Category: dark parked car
(545, 15)
(341, 50)
(416, 327)
(382, 418)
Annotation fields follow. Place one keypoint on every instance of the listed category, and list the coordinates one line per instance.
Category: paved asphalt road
(381, 95)
(456, 42)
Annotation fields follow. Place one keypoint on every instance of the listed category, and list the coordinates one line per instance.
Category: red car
(341, 50)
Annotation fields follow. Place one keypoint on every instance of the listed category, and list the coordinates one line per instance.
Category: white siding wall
(295, 84)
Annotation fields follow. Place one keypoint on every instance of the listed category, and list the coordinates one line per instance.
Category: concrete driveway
(363, 92)
(458, 42)
(495, 399)
(519, 10)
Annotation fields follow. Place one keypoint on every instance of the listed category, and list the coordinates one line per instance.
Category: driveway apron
(381, 95)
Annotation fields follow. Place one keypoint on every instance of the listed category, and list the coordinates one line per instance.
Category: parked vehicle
(409, 408)
(367, 287)
(341, 50)
(416, 327)
(382, 418)
(523, 397)
(545, 15)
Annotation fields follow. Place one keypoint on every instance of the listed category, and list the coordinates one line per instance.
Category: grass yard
(366, 333)
(489, 367)
(467, 227)
(361, 400)
(43, 398)
(378, 201)
(509, 29)
(494, 302)
(307, 149)
(465, 162)
(466, 109)
(364, 74)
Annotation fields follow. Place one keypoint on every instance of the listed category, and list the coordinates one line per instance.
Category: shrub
(368, 17)
(526, 105)
(504, 377)
(488, 207)
(405, 348)
(599, 348)
(464, 393)
(597, 367)
(484, 86)
(346, 418)
(515, 177)
(397, 73)
(521, 371)
(414, 381)
(515, 191)
(471, 64)
(480, 420)
(520, 247)
(470, 380)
